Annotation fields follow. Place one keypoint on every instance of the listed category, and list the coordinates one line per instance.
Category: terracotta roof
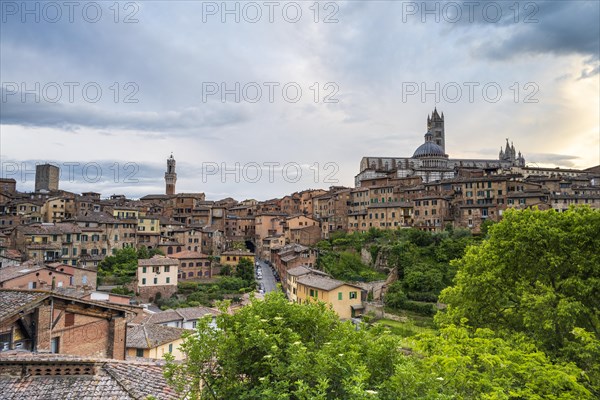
(49, 229)
(188, 254)
(74, 377)
(320, 282)
(155, 197)
(12, 254)
(157, 260)
(303, 270)
(148, 336)
(191, 313)
(169, 221)
(13, 300)
(8, 273)
(97, 216)
(180, 314)
(298, 248)
(237, 253)
(297, 271)
(210, 229)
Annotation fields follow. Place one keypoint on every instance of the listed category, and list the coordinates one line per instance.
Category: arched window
(170, 250)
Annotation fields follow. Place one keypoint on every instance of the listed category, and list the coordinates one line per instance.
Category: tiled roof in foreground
(37, 376)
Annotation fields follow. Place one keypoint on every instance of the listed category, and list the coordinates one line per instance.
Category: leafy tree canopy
(537, 273)
(274, 349)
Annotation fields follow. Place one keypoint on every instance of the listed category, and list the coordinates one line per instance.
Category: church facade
(430, 161)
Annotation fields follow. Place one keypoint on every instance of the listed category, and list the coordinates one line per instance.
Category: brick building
(42, 321)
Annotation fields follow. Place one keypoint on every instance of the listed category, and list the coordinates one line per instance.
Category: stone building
(430, 161)
(46, 177)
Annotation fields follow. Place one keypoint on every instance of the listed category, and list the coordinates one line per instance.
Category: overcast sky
(292, 88)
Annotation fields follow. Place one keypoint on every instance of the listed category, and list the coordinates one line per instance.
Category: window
(143, 270)
(54, 345)
(170, 347)
(69, 319)
(352, 295)
(168, 279)
(340, 295)
(155, 281)
(167, 268)
(139, 352)
(143, 281)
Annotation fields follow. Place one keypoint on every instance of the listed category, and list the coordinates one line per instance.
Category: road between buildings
(268, 279)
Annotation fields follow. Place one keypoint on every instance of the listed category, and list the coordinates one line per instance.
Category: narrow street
(268, 279)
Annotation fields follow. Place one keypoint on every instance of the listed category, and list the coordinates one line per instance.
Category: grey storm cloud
(104, 176)
(556, 27)
(67, 116)
(370, 53)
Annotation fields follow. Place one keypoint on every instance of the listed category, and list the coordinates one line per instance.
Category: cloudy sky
(260, 99)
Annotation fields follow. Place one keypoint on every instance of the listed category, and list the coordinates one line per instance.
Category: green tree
(476, 364)
(275, 349)
(118, 268)
(238, 245)
(538, 272)
(395, 296)
(245, 271)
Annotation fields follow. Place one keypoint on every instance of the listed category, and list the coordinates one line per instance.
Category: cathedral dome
(429, 149)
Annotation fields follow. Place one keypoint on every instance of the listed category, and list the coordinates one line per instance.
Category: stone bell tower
(435, 125)
(170, 176)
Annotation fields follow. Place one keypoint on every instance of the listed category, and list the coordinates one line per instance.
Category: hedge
(427, 309)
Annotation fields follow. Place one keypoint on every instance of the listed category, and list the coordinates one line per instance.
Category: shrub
(427, 309)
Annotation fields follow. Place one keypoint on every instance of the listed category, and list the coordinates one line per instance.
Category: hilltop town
(65, 310)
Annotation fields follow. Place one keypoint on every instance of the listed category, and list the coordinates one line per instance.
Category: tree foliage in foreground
(537, 274)
(274, 349)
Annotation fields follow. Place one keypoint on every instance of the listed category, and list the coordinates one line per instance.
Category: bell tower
(435, 125)
(170, 176)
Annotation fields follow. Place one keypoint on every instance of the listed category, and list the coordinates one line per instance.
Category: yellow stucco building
(345, 298)
(234, 257)
(154, 341)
